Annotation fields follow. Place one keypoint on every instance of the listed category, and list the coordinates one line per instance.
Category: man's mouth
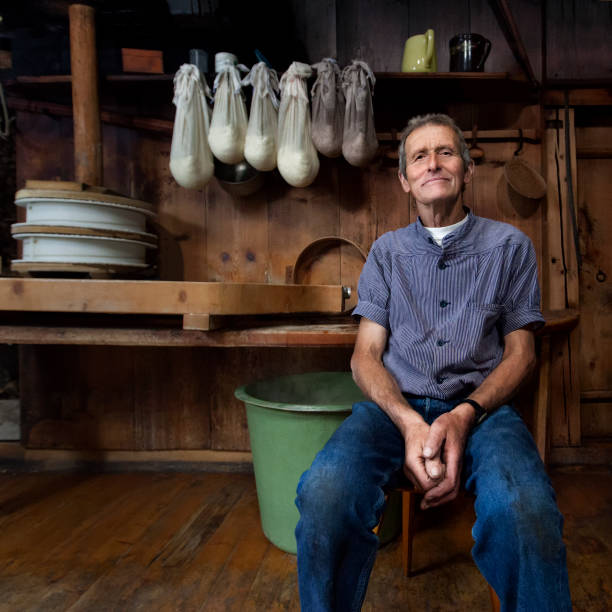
(434, 180)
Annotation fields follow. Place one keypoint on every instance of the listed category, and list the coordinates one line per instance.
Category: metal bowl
(239, 179)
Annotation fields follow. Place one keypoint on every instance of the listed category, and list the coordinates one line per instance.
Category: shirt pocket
(485, 317)
(479, 328)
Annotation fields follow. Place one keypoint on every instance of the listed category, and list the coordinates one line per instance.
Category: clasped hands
(434, 454)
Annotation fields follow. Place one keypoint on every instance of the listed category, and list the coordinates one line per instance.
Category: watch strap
(481, 413)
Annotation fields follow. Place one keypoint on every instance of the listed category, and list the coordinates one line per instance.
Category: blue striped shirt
(447, 309)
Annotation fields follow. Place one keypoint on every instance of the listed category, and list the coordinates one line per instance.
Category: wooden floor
(187, 541)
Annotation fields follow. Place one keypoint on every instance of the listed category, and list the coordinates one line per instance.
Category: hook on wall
(520, 147)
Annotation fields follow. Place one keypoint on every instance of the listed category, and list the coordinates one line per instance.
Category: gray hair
(432, 119)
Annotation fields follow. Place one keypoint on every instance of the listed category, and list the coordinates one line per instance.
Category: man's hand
(424, 474)
(445, 445)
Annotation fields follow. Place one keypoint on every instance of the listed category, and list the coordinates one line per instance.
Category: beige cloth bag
(298, 162)
(328, 108)
(191, 160)
(260, 145)
(359, 143)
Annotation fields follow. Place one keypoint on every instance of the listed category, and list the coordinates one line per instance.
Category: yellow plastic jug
(420, 53)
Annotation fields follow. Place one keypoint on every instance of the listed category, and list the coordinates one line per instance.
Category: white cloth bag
(260, 144)
(229, 117)
(191, 160)
(298, 162)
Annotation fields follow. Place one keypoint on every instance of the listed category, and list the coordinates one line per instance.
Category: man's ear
(469, 173)
(404, 183)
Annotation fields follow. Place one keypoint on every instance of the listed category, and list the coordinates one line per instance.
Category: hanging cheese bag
(298, 162)
(260, 143)
(359, 144)
(327, 108)
(229, 117)
(191, 160)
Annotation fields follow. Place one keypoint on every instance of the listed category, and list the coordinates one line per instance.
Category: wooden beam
(594, 142)
(162, 126)
(85, 99)
(561, 280)
(328, 335)
(513, 36)
(542, 400)
(165, 297)
(43, 459)
(531, 135)
(252, 333)
(593, 96)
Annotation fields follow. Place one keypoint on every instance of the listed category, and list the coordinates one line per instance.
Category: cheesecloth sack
(260, 144)
(297, 159)
(229, 118)
(191, 161)
(359, 144)
(327, 108)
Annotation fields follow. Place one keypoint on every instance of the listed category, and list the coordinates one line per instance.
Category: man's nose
(432, 161)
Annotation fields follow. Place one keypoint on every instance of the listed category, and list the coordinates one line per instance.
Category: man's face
(434, 168)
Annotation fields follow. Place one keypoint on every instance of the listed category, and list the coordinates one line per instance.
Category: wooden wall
(595, 203)
(136, 398)
(142, 399)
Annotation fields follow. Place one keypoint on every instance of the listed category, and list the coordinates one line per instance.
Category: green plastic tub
(290, 419)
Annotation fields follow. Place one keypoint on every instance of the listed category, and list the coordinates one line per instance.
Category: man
(448, 306)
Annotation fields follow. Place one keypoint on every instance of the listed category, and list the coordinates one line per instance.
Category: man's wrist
(409, 418)
(479, 413)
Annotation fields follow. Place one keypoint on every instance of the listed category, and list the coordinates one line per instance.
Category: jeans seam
(362, 582)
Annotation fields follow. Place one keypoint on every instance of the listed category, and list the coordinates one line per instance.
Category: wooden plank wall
(145, 399)
(135, 398)
(578, 39)
(594, 204)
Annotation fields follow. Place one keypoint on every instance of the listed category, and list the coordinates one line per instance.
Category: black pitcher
(468, 52)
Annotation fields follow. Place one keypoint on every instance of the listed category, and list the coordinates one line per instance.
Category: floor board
(193, 541)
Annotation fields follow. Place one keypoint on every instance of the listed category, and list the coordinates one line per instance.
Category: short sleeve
(522, 300)
(373, 289)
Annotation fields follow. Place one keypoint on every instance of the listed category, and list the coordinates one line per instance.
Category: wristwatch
(481, 413)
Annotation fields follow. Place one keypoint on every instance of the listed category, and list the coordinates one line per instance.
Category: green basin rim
(245, 394)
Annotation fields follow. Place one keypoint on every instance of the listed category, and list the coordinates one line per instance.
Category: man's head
(435, 164)
(432, 119)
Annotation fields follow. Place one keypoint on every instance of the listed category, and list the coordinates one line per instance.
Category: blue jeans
(518, 531)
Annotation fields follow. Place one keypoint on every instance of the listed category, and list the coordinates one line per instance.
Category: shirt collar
(450, 239)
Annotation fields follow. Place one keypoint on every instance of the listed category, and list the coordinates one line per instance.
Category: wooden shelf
(67, 78)
(332, 331)
(282, 335)
(398, 95)
(461, 76)
(165, 297)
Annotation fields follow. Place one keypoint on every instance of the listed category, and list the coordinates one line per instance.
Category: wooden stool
(409, 508)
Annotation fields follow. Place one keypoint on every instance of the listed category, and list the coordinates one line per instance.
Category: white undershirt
(438, 233)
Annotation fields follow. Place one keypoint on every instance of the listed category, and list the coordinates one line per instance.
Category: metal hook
(520, 147)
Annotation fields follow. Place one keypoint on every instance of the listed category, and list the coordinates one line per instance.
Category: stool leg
(495, 603)
(408, 512)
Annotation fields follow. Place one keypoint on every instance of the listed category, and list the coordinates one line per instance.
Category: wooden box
(142, 60)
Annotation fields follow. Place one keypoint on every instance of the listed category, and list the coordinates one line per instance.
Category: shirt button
(444, 303)
(441, 265)
(441, 342)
